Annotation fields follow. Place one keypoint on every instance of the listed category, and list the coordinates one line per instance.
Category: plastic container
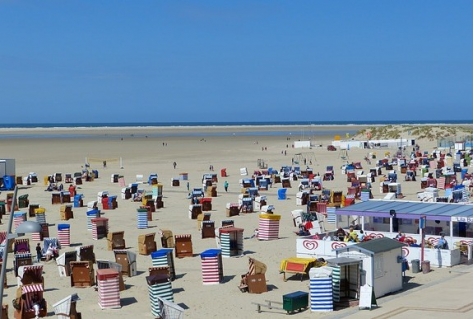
(415, 266)
(425, 266)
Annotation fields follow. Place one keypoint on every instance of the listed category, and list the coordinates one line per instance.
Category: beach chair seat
(63, 263)
(146, 244)
(161, 270)
(21, 245)
(65, 212)
(106, 264)
(254, 280)
(328, 176)
(208, 229)
(30, 274)
(92, 204)
(128, 260)
(25, 297)
(54, 243)
(115, 240)
(21, 259)
(85, 253)
(66, 308)
(82, 274)
(202, 217)
(183, 246)
(167, 238)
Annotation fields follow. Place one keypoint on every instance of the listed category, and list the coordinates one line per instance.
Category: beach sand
(142, 155)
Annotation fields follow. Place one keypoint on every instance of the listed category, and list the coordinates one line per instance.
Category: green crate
(297, 300)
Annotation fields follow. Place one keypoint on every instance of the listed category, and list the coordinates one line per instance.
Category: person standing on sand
(39, 252)
(174, 165)
(226, 186)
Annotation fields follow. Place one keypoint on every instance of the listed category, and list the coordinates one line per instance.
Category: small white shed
(7, 167)
(460, 146)
(302, 144)
(381, 263)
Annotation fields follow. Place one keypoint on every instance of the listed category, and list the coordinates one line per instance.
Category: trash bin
(415, 266)
(425, 266)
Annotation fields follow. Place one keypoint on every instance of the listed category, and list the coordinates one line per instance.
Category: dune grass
(429, 132)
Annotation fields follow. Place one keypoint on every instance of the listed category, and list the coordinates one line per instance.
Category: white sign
(461, 219)
(365, 300)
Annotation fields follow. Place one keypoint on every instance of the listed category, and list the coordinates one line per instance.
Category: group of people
(51, 252)
(354, 235)
(340, 235)
(350, 236)
(401, 237)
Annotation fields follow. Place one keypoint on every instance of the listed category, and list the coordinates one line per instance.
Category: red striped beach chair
(28, 294)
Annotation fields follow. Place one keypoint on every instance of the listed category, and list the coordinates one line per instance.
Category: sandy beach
(132, 152)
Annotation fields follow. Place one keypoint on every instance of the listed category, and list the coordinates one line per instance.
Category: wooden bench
(268, 305)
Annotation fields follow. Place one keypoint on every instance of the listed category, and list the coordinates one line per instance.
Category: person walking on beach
(39, 252)
(226, 186)
(174, 165)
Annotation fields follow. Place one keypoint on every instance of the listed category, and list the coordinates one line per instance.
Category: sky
(232, 61)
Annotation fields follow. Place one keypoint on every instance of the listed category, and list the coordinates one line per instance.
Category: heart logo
(310, 244)
(336, 245)
(405, 251)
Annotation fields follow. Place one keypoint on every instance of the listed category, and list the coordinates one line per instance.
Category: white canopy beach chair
(63, 262)
(66, 308)
(170, 310)
(128, 260)
(92, 204)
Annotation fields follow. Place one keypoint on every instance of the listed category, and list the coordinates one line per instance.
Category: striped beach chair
(30, 274)
(440, 182)
(21, 259)
(28, 294)
(22, 245)
(321, 207)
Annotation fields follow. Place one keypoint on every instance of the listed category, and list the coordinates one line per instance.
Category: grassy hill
(429, 132)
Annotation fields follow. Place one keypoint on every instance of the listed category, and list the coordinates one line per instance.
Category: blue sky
(192, 61)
